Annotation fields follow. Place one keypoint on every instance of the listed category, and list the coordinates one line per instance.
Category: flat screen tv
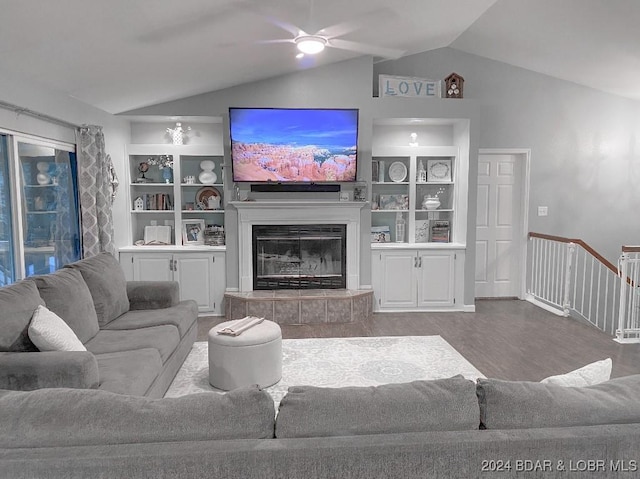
(297, 145)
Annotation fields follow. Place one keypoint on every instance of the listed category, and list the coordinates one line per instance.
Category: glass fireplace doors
(299, 256)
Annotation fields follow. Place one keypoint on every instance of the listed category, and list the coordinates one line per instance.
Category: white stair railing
(569, 278)
(629, 318)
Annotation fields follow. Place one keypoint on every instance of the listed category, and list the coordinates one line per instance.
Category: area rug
(337, 362)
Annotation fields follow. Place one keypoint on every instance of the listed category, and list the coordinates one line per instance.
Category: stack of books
(440, 231)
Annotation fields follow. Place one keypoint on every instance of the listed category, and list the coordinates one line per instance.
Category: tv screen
(293, 144)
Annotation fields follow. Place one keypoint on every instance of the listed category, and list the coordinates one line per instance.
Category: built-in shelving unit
(423, 270)
(159, 200)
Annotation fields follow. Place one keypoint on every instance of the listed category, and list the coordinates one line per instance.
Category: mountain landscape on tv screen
(304, 145)
(278, 163)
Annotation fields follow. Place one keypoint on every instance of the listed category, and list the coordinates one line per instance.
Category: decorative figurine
(454, 84)
(178, 133)
(143, 168)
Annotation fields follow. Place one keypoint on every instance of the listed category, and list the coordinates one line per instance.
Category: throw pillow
(594, 373)
(439, 405)
(522, 404)
(66, 294)
(107, 284)
(17, 304)
(50, 333)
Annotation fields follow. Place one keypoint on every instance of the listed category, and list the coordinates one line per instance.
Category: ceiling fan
(314, 43)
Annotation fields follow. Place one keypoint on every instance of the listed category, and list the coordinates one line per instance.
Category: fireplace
(301, 213)
(299, 256)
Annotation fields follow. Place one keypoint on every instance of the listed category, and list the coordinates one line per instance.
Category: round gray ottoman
(253, 357)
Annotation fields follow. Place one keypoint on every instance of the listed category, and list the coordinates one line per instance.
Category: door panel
(194, 273)
(436, 279)
(398, 283)
(499, 220)
(152, 268)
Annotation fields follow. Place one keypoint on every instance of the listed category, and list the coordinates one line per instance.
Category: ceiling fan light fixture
(310, 44)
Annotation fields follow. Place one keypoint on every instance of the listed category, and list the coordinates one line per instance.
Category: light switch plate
(543, 210)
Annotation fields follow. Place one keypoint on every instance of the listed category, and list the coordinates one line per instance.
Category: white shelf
(186, 162)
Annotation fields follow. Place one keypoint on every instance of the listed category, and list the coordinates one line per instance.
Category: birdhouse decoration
(138, 204)
(453, 86)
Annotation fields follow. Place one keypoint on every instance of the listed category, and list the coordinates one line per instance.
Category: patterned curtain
(97, 183)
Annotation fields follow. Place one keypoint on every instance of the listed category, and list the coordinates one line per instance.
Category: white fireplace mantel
(297, 212)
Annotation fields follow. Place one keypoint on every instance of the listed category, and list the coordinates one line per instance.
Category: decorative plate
(397, 171)
(208, 198)
(439, 170)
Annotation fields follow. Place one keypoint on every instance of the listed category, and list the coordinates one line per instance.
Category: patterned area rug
(336, 362)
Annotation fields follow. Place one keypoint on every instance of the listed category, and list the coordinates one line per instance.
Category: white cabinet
(201, 274)
(407, 279)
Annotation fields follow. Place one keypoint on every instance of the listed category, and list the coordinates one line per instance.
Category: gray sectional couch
(448, 428)
(137, 334)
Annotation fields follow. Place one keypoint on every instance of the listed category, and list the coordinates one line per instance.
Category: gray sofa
(137, 334)
(448, 428)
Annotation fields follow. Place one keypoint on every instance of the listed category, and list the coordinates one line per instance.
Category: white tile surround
(300, 212)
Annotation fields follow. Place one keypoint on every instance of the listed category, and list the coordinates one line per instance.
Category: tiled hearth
(286, 306)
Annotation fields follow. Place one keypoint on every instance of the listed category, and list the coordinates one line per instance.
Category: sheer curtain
(97, 184)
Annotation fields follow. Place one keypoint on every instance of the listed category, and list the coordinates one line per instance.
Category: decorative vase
(430, 203)
(43, 177)
(207, 176)
(167, 174)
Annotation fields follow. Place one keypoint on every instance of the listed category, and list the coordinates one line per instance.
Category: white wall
(585, 145)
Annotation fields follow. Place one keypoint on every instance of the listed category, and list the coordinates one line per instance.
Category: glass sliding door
(50, 229)
(7, 252)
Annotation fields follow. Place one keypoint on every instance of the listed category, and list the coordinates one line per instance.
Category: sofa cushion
(66, 294)
(182, 315)
(521, 404)
(50, 333)
(438, 405)
(163, 338)
(73, 417)
(107, 285)
(17, 304)
(594, 373)
(129, 372)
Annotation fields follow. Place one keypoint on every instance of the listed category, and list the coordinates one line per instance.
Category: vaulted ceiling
(119, 55)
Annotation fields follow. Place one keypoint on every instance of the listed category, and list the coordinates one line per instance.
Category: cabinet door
(398, 279)
(194, 272)
(152, 267)
(436, 279)
(219, 279)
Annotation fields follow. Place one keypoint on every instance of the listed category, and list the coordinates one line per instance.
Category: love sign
(408, 87)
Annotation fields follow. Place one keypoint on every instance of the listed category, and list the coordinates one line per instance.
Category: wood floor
(505, 339)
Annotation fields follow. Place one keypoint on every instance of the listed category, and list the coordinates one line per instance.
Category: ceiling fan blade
(277, 40)
(375, 16)
(289, 27)
(390, 53)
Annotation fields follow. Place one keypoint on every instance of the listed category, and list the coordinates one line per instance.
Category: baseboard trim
(545, 306)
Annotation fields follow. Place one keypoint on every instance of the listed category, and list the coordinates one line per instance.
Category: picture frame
(439, 170)
(393, 202)
(360, 193)
(193, 232)
(380, 234)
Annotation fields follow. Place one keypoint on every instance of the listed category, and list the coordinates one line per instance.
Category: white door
(498, 225)
(436, 283)
(155, 267)
(194, 272)
(398, 279)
